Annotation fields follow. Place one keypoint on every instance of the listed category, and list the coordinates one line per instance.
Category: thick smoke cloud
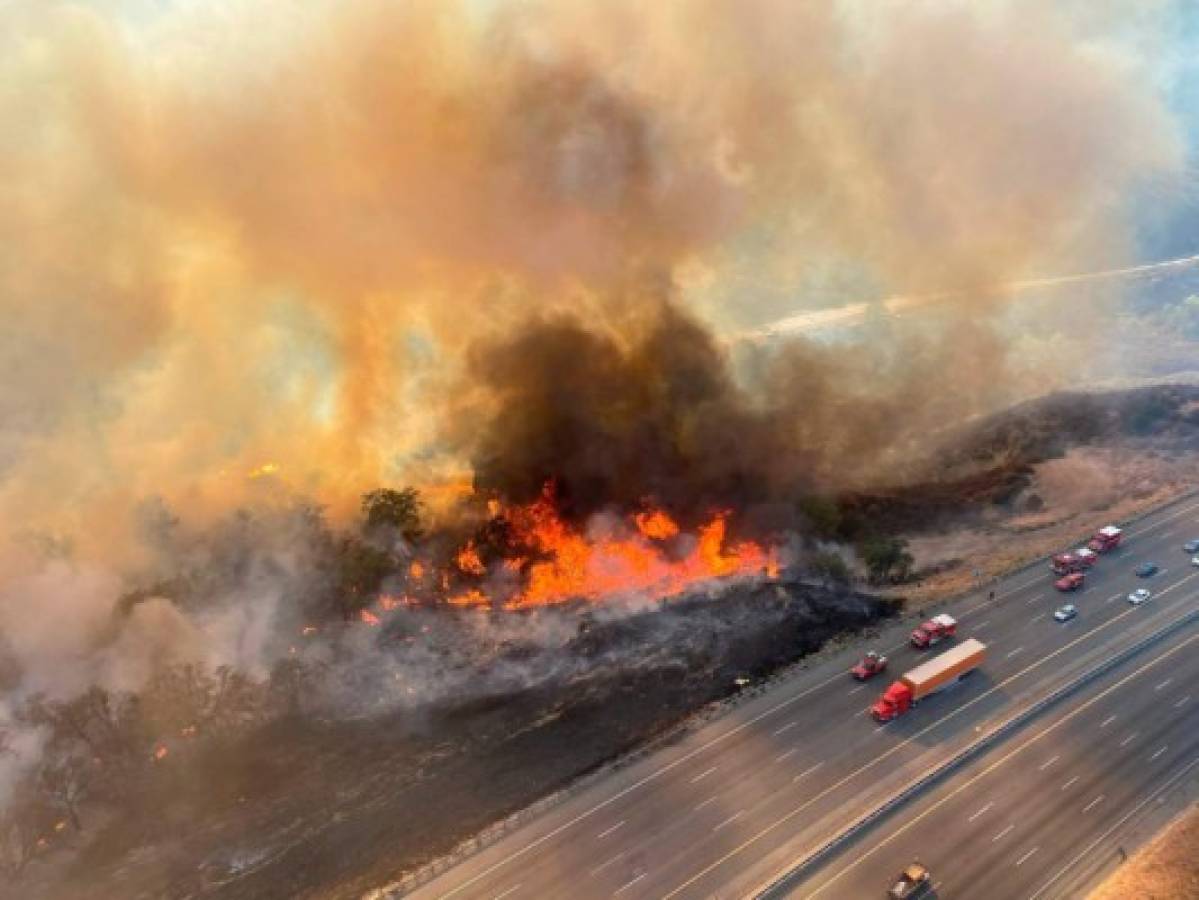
(330, 236)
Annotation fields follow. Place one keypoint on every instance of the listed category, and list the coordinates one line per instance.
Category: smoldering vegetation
(281, 764)
(258, 252)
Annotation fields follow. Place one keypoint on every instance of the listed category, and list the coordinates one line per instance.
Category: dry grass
(1082, 491)
(1167, 868)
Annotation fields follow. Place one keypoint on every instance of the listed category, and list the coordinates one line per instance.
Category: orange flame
(656, 525)
(468, 560)
(469, 598)
(574, 566)
(160, 752)
(369, 617)
(416, 571)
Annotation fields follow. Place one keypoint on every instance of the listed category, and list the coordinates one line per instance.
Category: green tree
(886, 557)
(829, 567)
(823, 516)
(400, 510)
(361, 568)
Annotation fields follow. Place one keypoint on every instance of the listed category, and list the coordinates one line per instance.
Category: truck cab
(1106, 539)
(895, 701)
(935, 630)
(1064, 564)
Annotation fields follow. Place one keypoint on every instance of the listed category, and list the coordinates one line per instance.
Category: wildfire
(160, 752)
(369, 617)
(468, 560)
(656, 525)
(416, 571)
(575, 566)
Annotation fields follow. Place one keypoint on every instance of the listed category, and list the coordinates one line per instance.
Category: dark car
(1190, 546)
(914, 881)
(1144, 570)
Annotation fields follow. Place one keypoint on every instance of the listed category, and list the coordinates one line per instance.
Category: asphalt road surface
(1030, 818)
(726, 809)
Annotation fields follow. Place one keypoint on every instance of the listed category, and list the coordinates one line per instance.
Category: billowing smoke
(254, 250)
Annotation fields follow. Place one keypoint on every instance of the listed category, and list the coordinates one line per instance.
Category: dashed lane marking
(980, 812)
(603, 834)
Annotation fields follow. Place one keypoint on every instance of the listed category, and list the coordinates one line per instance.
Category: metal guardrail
(789, 878)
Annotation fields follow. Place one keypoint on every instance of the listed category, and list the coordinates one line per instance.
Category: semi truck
(1106, 539)
(935, 630)
(928, 678)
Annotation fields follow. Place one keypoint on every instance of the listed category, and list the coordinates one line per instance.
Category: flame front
(572, 566)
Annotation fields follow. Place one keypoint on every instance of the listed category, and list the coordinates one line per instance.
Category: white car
(1065, 613)
(1195, 560)
(1139, 596)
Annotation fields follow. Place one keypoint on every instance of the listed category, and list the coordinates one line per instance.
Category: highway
(735, 802)
(1024, 817)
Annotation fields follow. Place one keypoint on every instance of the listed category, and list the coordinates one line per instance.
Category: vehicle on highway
(1190, 547)
(935, 630)
(1065, 613)
(1145, 570)
(1139, 596)
(1071, 582)
(1106, 539)
(914, 881)
(1065, 563)
(927, 678)
(872, 663)
(1195, 560)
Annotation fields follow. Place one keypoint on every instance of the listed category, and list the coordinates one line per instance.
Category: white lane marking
(1037, 618)
(511, 890)
(711, 799)
(1113, 598)
(1107, 721)
(982, 624)
(957, 710)
(1128, 740)
(980, 812)
(860, 687)
(1023, 859)
(625, 887)
(783, 756)
(1014, 652)
(1049, 762)
(1034, 600)
(1090, 806)
(1070, 782)
(786, 727)
(603, 834)
(1162, 522)
(913, 820)
(806, 772)
(1163, 684)
(1002, 833)
(1159, 752)
(704, 774)
(1182, 702)
(603, 866)
(730, 820)
(1103, 837)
